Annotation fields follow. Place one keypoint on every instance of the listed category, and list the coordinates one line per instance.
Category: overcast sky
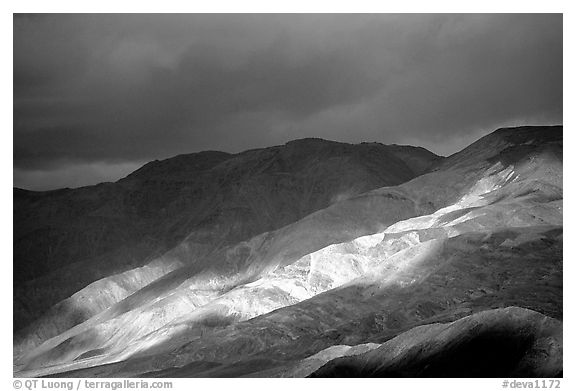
(97, 96)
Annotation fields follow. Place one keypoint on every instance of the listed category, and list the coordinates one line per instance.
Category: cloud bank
(97, 95)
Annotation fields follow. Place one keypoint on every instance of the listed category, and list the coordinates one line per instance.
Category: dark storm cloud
(111, 91)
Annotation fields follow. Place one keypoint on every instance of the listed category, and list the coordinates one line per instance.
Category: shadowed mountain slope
(509, 342)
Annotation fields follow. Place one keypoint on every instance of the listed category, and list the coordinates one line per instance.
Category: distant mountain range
(314, 258)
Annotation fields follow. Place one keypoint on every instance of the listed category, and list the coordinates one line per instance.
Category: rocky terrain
(314, 258)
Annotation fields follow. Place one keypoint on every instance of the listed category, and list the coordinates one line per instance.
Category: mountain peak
(503, 143)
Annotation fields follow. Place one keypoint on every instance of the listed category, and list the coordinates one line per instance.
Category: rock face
(450, 238)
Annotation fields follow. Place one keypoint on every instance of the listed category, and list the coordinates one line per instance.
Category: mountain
(122, 236)
(443, 241)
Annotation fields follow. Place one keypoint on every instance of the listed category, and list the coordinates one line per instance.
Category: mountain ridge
(501, 203)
